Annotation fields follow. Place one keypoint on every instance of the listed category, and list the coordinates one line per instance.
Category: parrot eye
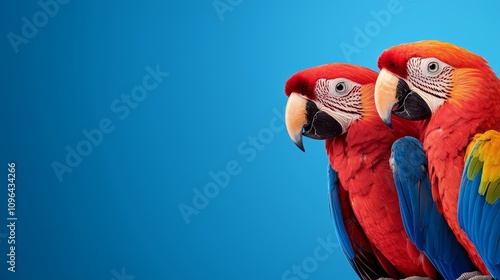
(433, 67)
(338, 88)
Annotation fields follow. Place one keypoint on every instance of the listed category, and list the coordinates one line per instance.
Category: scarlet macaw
(459, 94)
(335, 102)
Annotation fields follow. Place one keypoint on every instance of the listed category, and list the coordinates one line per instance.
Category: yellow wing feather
(484, 151)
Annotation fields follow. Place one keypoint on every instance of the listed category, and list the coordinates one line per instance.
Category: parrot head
(324, 101)
(418, 78)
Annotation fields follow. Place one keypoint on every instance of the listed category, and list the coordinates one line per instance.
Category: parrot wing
(364, 258)
(478, 202)
(423, 223)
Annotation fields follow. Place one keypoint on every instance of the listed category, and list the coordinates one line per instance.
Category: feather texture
(361, 159)
(471, 107)
(479, 204)
(366, 261)
(423, 223)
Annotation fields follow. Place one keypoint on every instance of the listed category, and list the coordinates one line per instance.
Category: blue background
(119, 207)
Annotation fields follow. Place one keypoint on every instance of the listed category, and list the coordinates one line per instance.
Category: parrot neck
(452, 127)
(368, 140)
(472, 108)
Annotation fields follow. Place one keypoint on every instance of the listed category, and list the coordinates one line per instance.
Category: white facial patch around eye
(341, 99)
(431, 79)
(339, 93)
(432, 67)
(339, 87)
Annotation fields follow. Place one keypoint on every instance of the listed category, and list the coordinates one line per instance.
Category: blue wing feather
(479, 218)
(425, 226)
(366, 260)
(336, 211)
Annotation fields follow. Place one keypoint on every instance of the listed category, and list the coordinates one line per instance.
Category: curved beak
(296, 118)
(394, 96)
(385, 95)
(302, 117)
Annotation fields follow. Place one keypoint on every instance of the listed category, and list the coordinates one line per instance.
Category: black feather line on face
(348, 104)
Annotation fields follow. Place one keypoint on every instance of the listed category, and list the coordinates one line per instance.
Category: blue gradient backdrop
(116, 215)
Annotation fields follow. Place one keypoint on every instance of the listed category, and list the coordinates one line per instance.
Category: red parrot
(335, 102)
(459, 94)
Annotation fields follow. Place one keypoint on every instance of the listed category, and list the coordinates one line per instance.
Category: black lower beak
(320, 125)
(410, 104)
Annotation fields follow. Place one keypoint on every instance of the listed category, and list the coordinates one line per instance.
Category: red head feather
(396, 58)
(304, 81)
